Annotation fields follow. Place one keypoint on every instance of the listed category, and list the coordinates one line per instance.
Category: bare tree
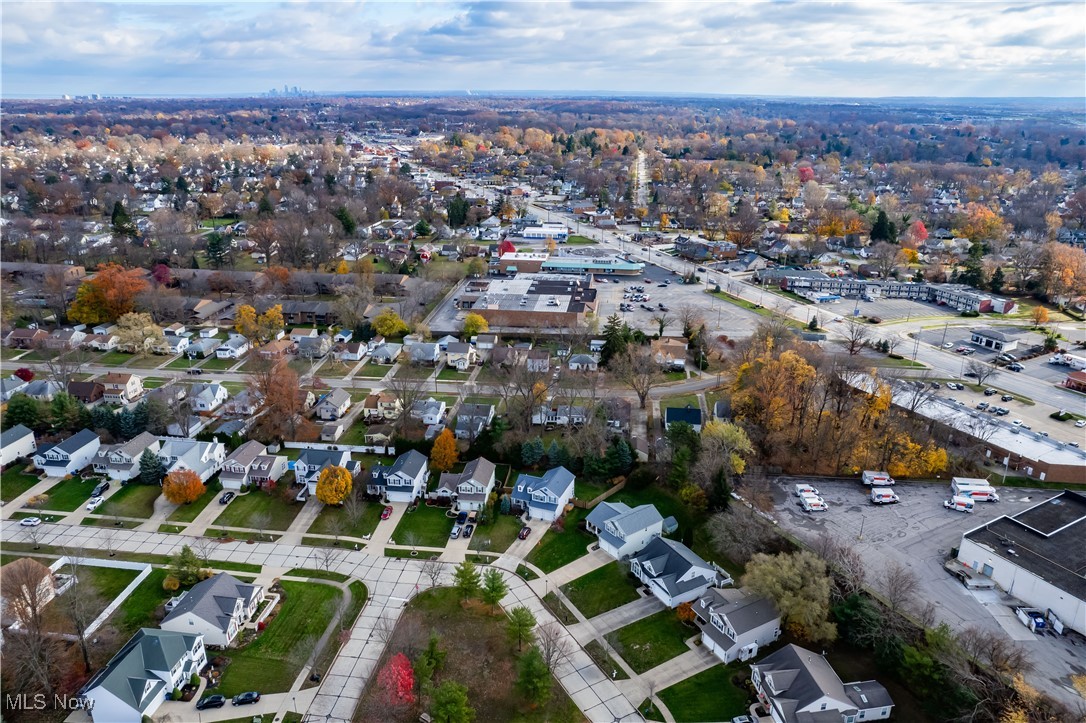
(354, 506)
(662, 320)
(407, 391)
(108, 541)
(383, 628)
(898, 585)
(327, 557)
(553, 643)
(34, 659)
(260, 521)
(845, 563)
(81, 604)
(983, 371)
(885, 257)
(432, 569)
(857, 337)
(912, 392)
(33, 535)
(739, 532)
(64, 364)
(335, 525)
(691, 317)
(637, 369)
(28, 587)
(522, 390)
(202, 547)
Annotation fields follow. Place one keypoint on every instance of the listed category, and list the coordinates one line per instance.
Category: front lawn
(189, 512)
(220, 364)
(708, 696)
(453, 374)
(151, 361)
(373, 371)
(131, 500)
(496, 536)
(575, 240)
(13, 483)
(355, 434)
(680, 401)
(414, 371)
(185, 363)
(674, 376)
(331, 514)
(248, 510)
(139, 609)
(603, 589)
(429, 525)
(115, 358)
(69, 494)
(652, 641)
(561, 548)
(272, 661)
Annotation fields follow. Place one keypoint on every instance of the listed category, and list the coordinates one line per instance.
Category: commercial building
(518, 262)
(530, 300)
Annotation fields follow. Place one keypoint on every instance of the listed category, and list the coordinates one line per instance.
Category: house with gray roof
(472, 419)
(203, 458)
(317, 347)
(735, 623)
(624, 531)
(544, 497)
(425, 353)
(11, 386)
(207, 397)
(43, 389)
(310, 463)
(121, 462)
(16, 443)
(69, 456)
(251, 465)
(402, 481)
(333, 405)
(386, 353)
(233, 348)
(202, 348)
(428, 411)
(216, 608)
(673, 572)
(470, 489)
(797, 685)
(138, 679)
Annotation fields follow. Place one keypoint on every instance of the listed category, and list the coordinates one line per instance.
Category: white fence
(359, 448)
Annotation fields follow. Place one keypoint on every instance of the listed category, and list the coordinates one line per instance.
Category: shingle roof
(77, 441)
(13, 435)
(213, 600)
(801, 677)
(130, 676)
(690, 415)
(669, 562)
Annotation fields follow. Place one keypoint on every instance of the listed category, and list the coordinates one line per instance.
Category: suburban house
(307, 468)
(296, 335)
(624, 531)
(735, 623)
(26, 338)
(472, 419)
(11, 386)
(314, 347)
(379, 435)
(69, 456)
(561, 416)
(86, 392)
(333, 405)
(386, 353)
(380, 406)
(544, 497)
(142, 675)
(617, 412)
(170, 344)
(101, 342)
(207, 397)
(42, 389)
(795, 684)
(460, 355)
(349, 351)
(582, 363)
(402, 481)
(428, 411)
(670, 353)
(672, 572)
(470, 489)
(216, 608)
(202, 348)
(16, 443)
(121, 388)
(275, 350)
(65, 339)
(23, 583)
(425, 353)
(689, 414)
(443, 342)
(233, 348)
(538, 361)
(121, 462)
(203, 458)
(250, 464)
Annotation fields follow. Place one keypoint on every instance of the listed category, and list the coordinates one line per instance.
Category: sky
(958, 48)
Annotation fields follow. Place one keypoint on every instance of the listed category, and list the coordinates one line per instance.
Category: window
(823, 707)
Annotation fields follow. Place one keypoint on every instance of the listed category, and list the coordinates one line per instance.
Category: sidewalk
(305, 517)
(581, 566)
(620, 617)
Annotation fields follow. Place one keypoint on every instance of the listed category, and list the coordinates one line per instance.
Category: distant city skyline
(855, 50)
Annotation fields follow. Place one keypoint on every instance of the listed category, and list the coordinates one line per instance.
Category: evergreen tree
(346, 220)
(457, 209)
(218, 250)
(997, 281)
(102, 418)
(422, 228)
(680, 466)
(506, 505)
(533, 679)
(451, 704)
(26, 411)
(265, 208)
(494, 587)
(618, 458)
(65, 411)
(615, 339)
(882, 230)
(185, 566)
(531, 452)
(521, 625)
(126, 424)
(151, 468)
(466, 579)
(557, 455)
(140, 417)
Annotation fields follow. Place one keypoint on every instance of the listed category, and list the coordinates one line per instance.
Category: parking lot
(919, 533)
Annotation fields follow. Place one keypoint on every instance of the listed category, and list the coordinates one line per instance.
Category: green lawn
(220, 364)
(674, 376)
(575, 240)
(585, 490)
(185, 363)
(602, 658)
(373, 371)
(171, 529)
(69, 494)
(603, 589)
(272, 661)
(131, 500)
(413, 371)
(452, 374)
(561, 548)
(708, 696)
(154, 382)
(115, 358)
(318, 574)
(244, 510)
(109, 522)
(429, 524)
(328, 516)
(189, 512)
(355, 434)
(14, 482)
(150, 361)
(108, 581)
(652, 641)
(680, 401)
(138, 610)
(496, 536)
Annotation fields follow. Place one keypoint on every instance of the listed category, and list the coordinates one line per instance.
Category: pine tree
(466, 579)
(997, 281)
(533, 679)
(881, 230)
(531, 451)
(494, 587)
(151, 468)
(615, 340)
(218, 250)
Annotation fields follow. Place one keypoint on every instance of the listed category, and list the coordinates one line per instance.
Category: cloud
(778, 48)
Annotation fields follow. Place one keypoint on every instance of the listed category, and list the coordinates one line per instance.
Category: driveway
(520, 548)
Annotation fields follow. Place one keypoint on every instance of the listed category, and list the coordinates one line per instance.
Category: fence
(359, 448)
(143, 567)
(599, 498)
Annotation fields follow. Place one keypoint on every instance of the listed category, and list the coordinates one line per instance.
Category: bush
(176, 695)
(642, 477)
(896, 356)
(970, 314)
(171, 583)
(195, 680)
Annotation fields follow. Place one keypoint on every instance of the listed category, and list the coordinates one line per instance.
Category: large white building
(1037, 555)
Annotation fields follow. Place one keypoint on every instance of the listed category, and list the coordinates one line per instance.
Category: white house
(428, 411)
(624, 531)
(16, 443)
(403, 480)
(250, 464)
(544, 497)
(470, 489)
(386, 353)
(11, 386)
(424, 353)
(203, 458)
(460, 356)
(233, 348)
(121, 462)
(472, 419)
(121, 388)
(562, 415)
(216, 608)
(735, 623)
(583, 363)
(308, 466)
(142, 675)
(333, 405)
(795, 684)
(673, 572)
(69, 456)
(350, 351)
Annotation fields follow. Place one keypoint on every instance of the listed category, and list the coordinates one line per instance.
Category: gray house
(735, 623)
(544, 497)
(673, 572)
(402, 481)
(469, 489)
(472, 419)
(216, 608)
(622, 530)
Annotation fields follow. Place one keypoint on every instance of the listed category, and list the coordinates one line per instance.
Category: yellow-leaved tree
(388, 323)
(245, 322)
(444, 453)
(475, 324)
(334, 485)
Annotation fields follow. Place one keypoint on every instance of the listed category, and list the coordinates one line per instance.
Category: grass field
(109, 522)
(14, 483)
(150, 361)
(496, 536)
(585, 490)
(680, 401)
(330, 516)
(414, 371)
(561, 548)
(218, 364)
(139, 609)
(131, 500)
(603, 589)
(69, 494)
(272, 661)
(373, 371)
(429, 525)
(246, 510)
(115, 358)
(189, 512)
(171, 529)
(186, 363)
(575, 240)
(708, 696)
(651, 641)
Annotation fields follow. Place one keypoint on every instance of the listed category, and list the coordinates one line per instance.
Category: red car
(524, 532)
(386, 513)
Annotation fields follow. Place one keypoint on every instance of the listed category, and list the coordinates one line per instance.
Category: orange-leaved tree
(444, 454)
(334, 485)
(109, 294)
(183, 486)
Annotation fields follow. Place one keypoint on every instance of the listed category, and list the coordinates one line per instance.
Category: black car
(197, 372)
(246, 698)
(100, 489)
(211, 701)
(1006, 398)
(461, 518)
(226, 497)
(468, 530)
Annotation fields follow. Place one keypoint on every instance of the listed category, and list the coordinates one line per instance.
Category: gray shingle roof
(128, 674)
(77, 441)
(802, 677)
(13, 435)
(669, 562)
(213, 600)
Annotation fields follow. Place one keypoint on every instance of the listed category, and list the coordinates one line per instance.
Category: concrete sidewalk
(620, 617)
(581, 566)
(668, 673)
(302, 521)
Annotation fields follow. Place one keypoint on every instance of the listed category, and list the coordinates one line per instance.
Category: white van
(978, 489)
(960, 504)
(812, 503)
(877, 479)
(883, 496)
(804, 489)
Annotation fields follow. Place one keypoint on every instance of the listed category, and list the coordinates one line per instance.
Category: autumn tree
(799, 585)
(475, 324)
(389, 324)
(685, 613)
(334, 485)
(137, 333)
(444, 453)
(636, 368)
(396, 681)
(276, 387)
(107, 295)
(1039, 315)
(885, 257)
(183, 486)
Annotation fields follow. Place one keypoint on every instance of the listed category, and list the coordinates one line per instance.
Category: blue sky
(947, 48)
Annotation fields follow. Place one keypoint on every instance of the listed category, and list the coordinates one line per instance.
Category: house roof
(411, 464)
(688, 414)
(990, 333)
(246, 453)
(745, 611)
(77, 441)
(130, 675)
(458, 347)
(336, 397)
(586, 359)
(323, 457)
(213, 600)
(670, 561)
(13, 435)
(479, 470)
(796, 678)
(557, 481)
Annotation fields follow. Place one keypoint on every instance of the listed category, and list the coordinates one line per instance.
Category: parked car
(989, 392)
(462, 517)
(524, 532)
(30, 521)
(196, 372)
(386, 513)
(455, 532)
(948, 345)
(1006, 398)
(211, 701)
(226, 497)
(100, 489)
(95, 503)
(935, 385)
(983, 405)
(246, 698)
(468, 530)
(1080, 423)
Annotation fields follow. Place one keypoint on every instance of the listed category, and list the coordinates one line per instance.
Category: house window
(823, 707)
